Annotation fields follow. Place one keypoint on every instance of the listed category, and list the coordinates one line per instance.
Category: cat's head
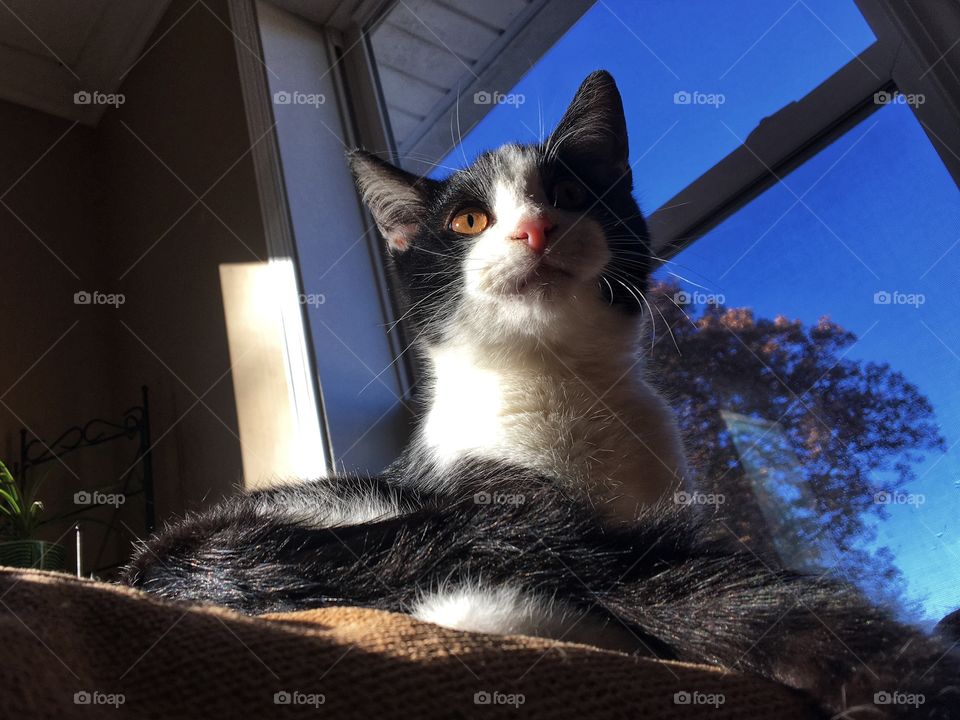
(529, 240)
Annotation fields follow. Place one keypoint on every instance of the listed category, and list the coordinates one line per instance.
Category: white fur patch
(586, 418)
(506, 610)
(501, 610)
(335, 511)
(459, 385)
(362, 511)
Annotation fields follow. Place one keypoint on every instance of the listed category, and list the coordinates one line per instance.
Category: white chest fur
(593, 423)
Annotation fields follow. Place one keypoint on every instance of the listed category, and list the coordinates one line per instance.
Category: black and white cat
(531, 498)
(524, 278)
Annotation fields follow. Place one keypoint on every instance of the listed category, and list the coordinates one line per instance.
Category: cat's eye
(569, 194)
(471, 221)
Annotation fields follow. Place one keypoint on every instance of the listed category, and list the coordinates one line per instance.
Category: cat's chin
(541, 309)
(544, 282)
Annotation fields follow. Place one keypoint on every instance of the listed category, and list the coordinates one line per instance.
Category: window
(795, 159)
(867, 232)
(696, 78)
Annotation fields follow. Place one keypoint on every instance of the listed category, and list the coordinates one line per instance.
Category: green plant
(19, 514)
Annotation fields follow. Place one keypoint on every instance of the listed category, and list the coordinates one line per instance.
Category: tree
(799, 439)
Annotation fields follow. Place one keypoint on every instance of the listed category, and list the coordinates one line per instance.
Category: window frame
(801, 129)
(906, 56)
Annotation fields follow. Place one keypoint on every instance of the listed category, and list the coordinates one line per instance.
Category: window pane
(855, 445)
(743, 59)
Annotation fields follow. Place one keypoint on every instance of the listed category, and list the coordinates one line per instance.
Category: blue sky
(882, 214)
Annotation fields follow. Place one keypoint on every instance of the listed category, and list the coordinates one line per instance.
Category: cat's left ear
(593, 129)
(395, 198)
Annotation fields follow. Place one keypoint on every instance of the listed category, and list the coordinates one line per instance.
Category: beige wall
(101, 200)
(184, 101)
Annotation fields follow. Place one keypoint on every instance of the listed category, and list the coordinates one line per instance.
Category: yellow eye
(471, 221)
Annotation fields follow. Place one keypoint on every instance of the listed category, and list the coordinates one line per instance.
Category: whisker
(402, 352)
(669, 330)
(687, 280)
(609, 287)
(653, 322)
(460, 133)
(682, 311)
(431, 252)
(414, 307)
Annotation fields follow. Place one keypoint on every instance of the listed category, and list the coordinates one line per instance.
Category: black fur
(682, 593)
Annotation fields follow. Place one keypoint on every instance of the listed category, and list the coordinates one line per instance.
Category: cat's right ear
(395, 198)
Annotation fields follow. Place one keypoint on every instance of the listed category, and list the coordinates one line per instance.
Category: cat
(524, 279)
(535, 496)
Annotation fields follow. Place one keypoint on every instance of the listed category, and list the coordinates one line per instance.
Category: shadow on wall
(140, 212)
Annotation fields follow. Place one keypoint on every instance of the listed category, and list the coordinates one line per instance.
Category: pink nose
(534, 231)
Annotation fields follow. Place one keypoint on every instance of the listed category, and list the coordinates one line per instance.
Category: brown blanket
(80, 649)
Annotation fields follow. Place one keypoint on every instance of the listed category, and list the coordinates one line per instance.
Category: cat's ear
(593, 129)
(395, 198)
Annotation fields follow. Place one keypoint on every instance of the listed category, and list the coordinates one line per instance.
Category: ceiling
(424, 48)
(432, 56)
(432, 53)
(51, 50)
(339, 14)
